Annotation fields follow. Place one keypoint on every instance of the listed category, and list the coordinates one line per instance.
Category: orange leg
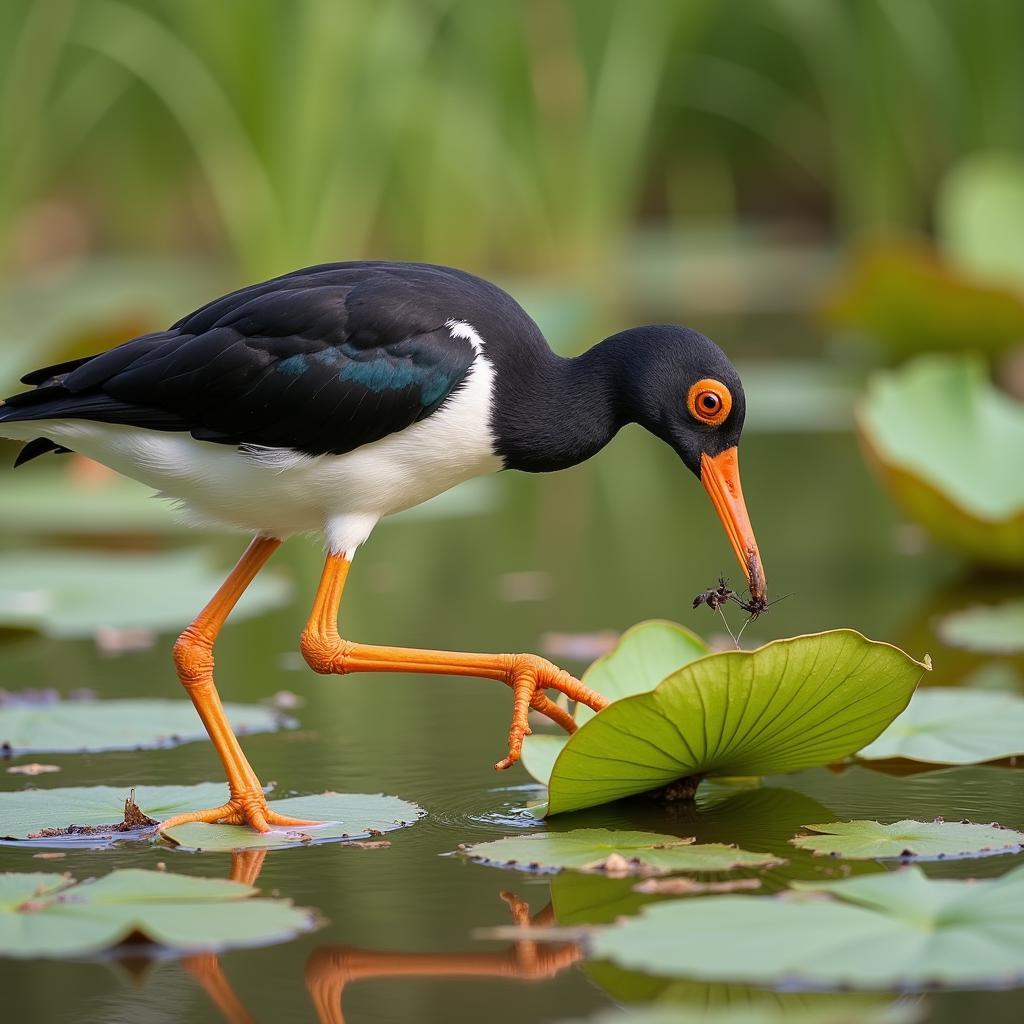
(527, 674)
(193, 658)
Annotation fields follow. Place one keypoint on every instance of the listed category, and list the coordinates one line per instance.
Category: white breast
(278, 492)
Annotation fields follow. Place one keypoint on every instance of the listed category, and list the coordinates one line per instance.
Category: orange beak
(720, 475)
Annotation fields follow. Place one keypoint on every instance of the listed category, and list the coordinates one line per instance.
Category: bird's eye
(709, 401)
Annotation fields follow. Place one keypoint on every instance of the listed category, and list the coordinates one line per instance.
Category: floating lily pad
(954, 726)
(898, 929)
(51, 915)
(789, 705)
(870, 840)
(71, 594)
(343, 816)
(995, 629)
(644, 655)
(27, 813)
(76, 726)
(614, 852)
(947, 445)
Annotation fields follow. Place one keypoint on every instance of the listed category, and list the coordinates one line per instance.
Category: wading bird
(331, 397)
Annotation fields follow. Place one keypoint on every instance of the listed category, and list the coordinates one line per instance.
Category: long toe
(282, 819)
(249, 808)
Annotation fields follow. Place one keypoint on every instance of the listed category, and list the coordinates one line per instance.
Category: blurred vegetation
(534, 136)
(847, 173)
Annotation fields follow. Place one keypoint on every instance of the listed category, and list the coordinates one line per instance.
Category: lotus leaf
(897, 929)
(868, 840)
(789, 705)
(954, 726)
(995, 629)
(50, 915)
(26, 813)
(614, 852)
(76, 593)
(947, 445)
(74, 726)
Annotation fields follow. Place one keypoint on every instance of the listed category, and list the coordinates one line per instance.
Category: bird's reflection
(330, 969)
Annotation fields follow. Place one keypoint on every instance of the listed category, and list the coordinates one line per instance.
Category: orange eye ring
(710, 402)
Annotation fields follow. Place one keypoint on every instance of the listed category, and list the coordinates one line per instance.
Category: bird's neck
(552, 413)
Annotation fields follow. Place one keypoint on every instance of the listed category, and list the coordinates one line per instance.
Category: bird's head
(682, 388)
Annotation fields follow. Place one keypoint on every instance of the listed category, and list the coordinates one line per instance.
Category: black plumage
(320, 361)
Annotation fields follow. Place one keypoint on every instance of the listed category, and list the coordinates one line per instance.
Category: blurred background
(834, 191)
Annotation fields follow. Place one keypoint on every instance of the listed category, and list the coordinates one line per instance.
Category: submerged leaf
(898, 929)
(789, 705)
(947, 445)
(26, 814)
(869, 840)
(614, 852)
(52, 916)
(78, 726)
(995, 629)
(953, 726)
(79, 594)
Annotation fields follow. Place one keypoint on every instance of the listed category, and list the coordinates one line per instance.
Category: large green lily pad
(644, 655)
(789, 705)
(953, 726)
(870, 840)
(50, 915)
(77, 726)
(898, 929)
(615, 852)
(27, 813)
(947, 445)
(994, 629)
(71, 594)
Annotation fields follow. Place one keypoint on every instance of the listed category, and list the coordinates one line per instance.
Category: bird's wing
(307, 364)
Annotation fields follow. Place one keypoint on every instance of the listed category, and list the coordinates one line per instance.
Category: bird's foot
(529, 676)
(247, 807)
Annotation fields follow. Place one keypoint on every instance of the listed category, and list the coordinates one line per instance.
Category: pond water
(502, 567)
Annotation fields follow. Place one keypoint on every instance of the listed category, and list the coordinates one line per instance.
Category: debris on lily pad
(79, 594)
(683, 886)
(994, 629)
(789, 705)
(909, 840)
(615, 853)
(52, 915)
(896, 929)
(953, 726)
(924, 426)
(77, 726)
(95, 816)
